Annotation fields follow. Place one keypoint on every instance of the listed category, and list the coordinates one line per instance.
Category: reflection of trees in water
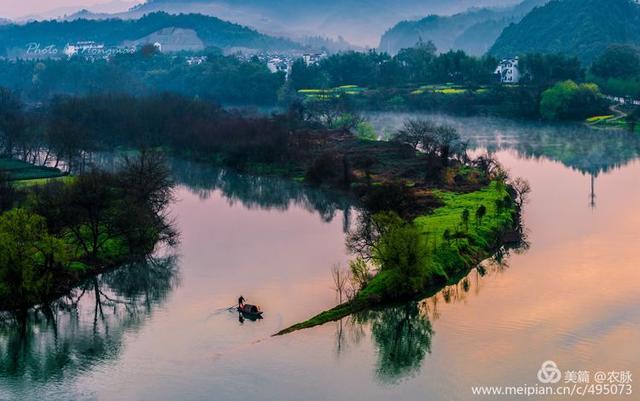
(580, 148)
(401, 334)
(470, 284)
(85, 327)
(588, 150)
(261, 192)
(252, 191)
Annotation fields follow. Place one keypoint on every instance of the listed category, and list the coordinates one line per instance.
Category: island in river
(429, 212)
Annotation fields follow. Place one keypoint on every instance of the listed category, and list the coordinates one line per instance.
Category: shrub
(570, 101)
(401, 253)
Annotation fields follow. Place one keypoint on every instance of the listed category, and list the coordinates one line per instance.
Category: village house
(279, 64)
(508, 71)
(313, 58)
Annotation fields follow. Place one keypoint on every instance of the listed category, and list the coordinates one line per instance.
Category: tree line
(422, 65)
(224, 79)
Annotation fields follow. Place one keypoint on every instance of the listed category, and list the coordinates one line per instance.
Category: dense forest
(617, 71)
(227, 80)
(582, 28)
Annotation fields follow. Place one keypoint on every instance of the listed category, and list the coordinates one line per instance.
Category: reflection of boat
(250, 311)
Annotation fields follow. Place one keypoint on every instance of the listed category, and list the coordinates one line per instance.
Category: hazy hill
(473, 31)
(361, 22)
(584, 28)
(204, 30)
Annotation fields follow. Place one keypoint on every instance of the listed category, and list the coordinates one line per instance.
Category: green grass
(42, 181)
(449, 259)
(19, 170)
(449, 216)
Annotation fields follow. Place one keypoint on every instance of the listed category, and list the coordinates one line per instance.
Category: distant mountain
(114, 6)
(189, 30)
(584, 28)
(4, 21)
(361, 22)
(473, 31)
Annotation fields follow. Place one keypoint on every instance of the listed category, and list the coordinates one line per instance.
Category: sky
(21, 8)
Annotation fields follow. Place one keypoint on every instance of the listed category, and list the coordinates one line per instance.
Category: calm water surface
(162, 331)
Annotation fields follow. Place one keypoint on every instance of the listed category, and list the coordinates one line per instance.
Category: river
(163, 331)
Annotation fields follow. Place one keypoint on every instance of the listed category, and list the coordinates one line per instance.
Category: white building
(508, 71)
(279, 64)
(87, 48)
(313, 58)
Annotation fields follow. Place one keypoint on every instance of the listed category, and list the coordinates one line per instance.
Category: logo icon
(549, 373)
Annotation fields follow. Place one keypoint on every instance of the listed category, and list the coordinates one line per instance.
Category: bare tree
(340, 278)
(522, 188)
(415, 133)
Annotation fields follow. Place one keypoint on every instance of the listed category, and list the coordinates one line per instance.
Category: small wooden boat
(250, 311)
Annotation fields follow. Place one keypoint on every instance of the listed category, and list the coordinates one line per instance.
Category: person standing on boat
(241, 302)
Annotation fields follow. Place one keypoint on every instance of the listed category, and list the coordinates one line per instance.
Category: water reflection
(590, 151)
(252, 191)
(402, 334)
(86, 327)
(259, 192)
(572, 298)
(403, 338)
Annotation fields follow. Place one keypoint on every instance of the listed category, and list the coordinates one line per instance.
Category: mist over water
(570, 296)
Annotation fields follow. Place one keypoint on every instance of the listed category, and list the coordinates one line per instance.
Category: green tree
(480, 213)
(465, 219)
(7, 193)
(366, 131)
(30, 259)
(12, 124)
(545, 70)
(569, 101)
(417, 61)
(305, 76)
(618, 61)
(633, 118)
(402, 254)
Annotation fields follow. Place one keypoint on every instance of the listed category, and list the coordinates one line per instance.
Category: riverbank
(395, 181)
(56, 234)
(453, 248)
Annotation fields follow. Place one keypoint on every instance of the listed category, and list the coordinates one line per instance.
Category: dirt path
(619, 114)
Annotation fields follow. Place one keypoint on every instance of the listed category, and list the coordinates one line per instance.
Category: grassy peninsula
(428, 211)
(451, 250)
